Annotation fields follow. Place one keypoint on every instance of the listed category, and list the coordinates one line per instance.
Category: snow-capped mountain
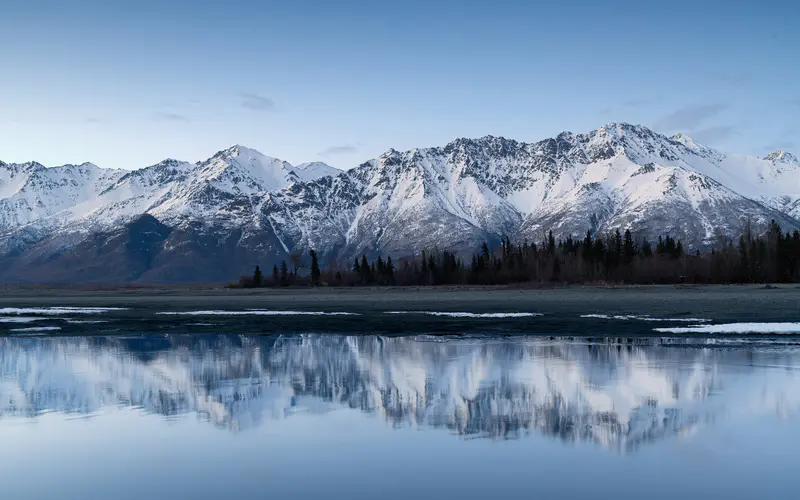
(217, 218)
(230, 185)
(619, 176)
(30, 192)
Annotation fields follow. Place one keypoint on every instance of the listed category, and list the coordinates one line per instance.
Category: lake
(125, 400)
(229, 416)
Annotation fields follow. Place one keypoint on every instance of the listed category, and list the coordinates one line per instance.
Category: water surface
(336, 416)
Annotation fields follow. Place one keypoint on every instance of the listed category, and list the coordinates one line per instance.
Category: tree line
(772, 257)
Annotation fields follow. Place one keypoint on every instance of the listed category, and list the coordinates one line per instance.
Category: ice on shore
(469, 314)
(57, 311)
(255, 312)
(760, 328)
(634, 317)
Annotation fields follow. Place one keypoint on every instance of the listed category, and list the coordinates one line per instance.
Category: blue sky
(127, 84)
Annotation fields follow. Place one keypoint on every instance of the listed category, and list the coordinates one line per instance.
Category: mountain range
(216, 219)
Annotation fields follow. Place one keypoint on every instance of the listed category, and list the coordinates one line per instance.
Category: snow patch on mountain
(233, 181)
(619, 176)
(30, 192)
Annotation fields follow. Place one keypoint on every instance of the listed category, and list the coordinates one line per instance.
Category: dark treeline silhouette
(773, 257)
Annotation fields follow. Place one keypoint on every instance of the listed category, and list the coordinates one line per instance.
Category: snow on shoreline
(469, 314)
(634, 317)
(255, 312)
(759, 328)
(20, 319)
(56, 311)
(36, 329)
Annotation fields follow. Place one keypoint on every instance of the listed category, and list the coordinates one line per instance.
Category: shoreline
(586, 311)
(7, 289)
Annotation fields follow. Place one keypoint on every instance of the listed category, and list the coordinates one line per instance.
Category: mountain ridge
(254, 208)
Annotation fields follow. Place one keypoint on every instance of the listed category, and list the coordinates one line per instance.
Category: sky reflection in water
(308, 415)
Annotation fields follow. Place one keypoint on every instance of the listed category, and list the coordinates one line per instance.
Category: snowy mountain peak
(240, 165)
(388, 158)
(619, 131)
(317, 169)
(781, 156)
(84, 168)
(636, 142)
(28, 166)
(85, 164)
(242, 169)
(233, 151)
(614, 139)
(243, 155)
(276, 173)
(685, 140)
(488, 143)
(455, 196)
(169, 163)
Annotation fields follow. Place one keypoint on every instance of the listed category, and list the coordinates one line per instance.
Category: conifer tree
(389, 270)
(284, 273)
(257, 277)
(647, 248)
(556, 269)
(379, 270)
(588, 244)
(365, 272)
(678, 250)
(315, 272)
(763, 255)
(629, 251)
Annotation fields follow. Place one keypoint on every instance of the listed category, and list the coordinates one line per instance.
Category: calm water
(310, 416)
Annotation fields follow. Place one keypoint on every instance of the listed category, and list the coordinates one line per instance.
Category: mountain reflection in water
(617, 395)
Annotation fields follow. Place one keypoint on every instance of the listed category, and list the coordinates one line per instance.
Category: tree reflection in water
(615, 393)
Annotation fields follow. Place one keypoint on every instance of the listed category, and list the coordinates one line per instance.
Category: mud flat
(584, 311)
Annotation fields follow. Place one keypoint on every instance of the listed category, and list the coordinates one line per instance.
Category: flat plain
(559, 311)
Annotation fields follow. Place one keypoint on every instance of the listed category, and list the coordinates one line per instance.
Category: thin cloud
(170, 117)
(713, 135)
(256, 102)
(689, 117)
(636, 103)
(795, 102)
(736, 79)
(781, 146)
(92, 120)
(628, 104)
(338, 150)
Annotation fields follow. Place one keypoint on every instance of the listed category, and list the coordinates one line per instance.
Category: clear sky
(128, 83)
